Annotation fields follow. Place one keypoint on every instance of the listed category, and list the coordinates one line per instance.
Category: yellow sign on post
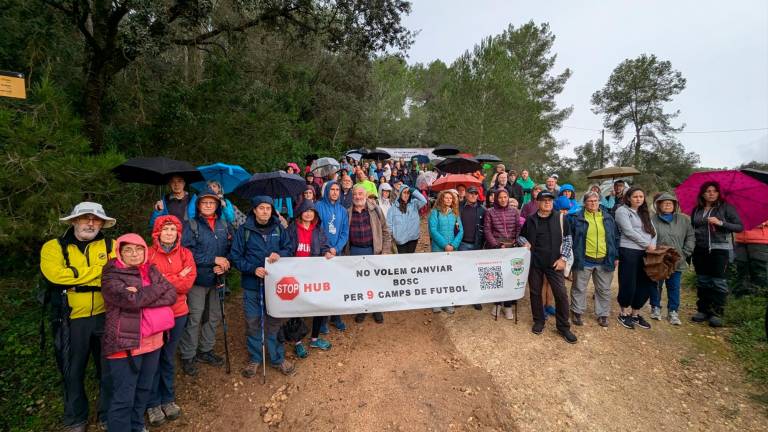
(12, 85)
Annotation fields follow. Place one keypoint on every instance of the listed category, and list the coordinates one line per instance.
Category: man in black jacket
(472, 214)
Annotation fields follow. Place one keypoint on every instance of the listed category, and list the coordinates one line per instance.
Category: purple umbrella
(748, 195)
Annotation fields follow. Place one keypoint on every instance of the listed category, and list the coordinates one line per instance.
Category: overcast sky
(721, 48)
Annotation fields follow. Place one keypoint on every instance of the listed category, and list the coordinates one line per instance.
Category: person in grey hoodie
(714, 222)
(672, 229)
(638, 235)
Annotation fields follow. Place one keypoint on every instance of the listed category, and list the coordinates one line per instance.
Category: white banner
(408, 153)
(345, 285)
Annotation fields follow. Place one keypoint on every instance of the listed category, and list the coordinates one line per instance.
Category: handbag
(569, 260)
(156, 320)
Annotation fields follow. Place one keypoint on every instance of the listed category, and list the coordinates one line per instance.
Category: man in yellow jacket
(72, 265)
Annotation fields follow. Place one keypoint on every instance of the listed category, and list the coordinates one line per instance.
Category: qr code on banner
(490, 277)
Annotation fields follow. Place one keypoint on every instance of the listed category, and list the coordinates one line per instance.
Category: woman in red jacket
(176, 263)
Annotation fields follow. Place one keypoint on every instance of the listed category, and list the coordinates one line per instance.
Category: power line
(683, 132)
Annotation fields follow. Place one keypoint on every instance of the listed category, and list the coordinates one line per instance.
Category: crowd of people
(134, 306)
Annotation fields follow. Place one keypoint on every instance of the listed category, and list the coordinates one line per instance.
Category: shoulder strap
(194, 228)
(65, 252)
(109, 244)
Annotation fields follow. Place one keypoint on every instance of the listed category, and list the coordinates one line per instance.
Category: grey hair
(590, 194)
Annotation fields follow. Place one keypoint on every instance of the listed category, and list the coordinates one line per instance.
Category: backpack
(294, 330)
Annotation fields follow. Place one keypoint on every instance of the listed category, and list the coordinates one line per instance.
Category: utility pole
(602, 148)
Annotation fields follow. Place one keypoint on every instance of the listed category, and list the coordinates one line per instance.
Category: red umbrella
(748, 195)
(451, 181)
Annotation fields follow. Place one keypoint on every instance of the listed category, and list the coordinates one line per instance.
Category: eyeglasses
(90, 219)
(207, 203)
(132, 250)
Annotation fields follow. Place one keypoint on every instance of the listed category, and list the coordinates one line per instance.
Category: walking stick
(263, 341)
(221, 287)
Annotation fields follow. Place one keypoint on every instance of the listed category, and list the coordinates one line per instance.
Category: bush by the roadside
(747, 315)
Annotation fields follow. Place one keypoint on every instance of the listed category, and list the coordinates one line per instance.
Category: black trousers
(557, 282)
(634, 284)
(711, 282)
(316, 323)
(406, 248)
(85, 342)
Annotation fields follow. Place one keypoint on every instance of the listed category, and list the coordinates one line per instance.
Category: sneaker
(320, 343)
(449, 309)
(251, 370)
(700, 317)
(324, 328)
(210, 358)
(576, 319)
(495, 310)
(437, 310)
(171, 410)
(508, 313)
(102, 426)
(156, 416)
(602, 321)
(189, 367)
(538, 328)
(360, 318)
(656, 313)
(478, 307)
(641, 322)
(550, 310)
(339, 324)
(673, 317)
(626, 321)
(82, 427)
(287, 368)
(300, 350)
(715, 321)
(568, 336)
(378, 317)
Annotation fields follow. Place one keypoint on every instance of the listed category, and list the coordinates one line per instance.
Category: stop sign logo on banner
(287, 288)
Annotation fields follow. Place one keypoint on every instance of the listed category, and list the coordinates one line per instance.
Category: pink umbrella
(748, 195)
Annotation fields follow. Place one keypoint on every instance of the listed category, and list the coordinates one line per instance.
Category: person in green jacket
(673, 229)
(527, 183)
(369, 186)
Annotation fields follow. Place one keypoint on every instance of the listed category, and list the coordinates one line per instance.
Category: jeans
(673, 292)
(200, 333)
(634, 284)
(252, 303)
(464, 246)
(162, 386)
(132, 391)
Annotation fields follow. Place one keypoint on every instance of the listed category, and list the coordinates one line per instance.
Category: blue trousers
(253, 318)
(673, 292)
(162, 386)
(131, 391)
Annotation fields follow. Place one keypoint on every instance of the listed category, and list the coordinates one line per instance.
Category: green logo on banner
(518, 265)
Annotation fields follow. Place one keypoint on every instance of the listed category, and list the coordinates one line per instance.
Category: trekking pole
(263, 341)
(221, 287)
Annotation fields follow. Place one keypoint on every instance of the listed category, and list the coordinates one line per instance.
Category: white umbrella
(425, 179)
(325, 166)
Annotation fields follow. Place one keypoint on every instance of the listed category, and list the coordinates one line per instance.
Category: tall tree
(591, 156)
(634, 95)
(116, 33)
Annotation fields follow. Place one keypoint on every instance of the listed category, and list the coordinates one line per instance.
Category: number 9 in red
(370, 295)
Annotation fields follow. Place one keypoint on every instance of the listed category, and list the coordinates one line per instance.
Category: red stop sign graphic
(287, 288)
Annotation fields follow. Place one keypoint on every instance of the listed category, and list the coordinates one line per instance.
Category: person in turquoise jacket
(445, 229)
(569, 192)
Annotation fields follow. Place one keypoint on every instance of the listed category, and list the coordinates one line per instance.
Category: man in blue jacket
(208, 236)
(174, 203)
(261, 239)
(334, 220)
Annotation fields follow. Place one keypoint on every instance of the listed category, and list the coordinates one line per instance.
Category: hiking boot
(378, 317)
(576, 319)
(641, 322)
(324, 328)
(626, 321)
(700, 317)
(171, 410)
(538, 328)
(360, 318)
(508, 313)
(549, 310)
(437, 310)
(251, 370)
(656, 313)
(156, 416)
(82, 427)
(320, 344)
(300, 350)
(478, 307)
(449, 309)
(210, 358)
(673, 318)
(339, 324)
(102, 426)
(287, 368)
(602, 321)
(568, 336)
(715, 321)
(189, 367)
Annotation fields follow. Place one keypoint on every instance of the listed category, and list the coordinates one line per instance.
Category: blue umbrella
(422, 159)
(275, 184)
(229, 176)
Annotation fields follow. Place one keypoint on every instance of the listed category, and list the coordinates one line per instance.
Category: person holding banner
(404, 221)
(334, 220)
(547, 235)
(309, 240)
(502, 227)
(445, 229)
(259, 240)
(368, 233)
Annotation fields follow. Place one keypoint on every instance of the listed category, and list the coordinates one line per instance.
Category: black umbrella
(487, 158)
(756, 174)
(377, 155)
(275, 184)
(459, 165)
(156, 171)
(446, 150)
(310, 157)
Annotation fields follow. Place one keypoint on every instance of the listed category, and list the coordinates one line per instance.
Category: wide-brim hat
(92, 208)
